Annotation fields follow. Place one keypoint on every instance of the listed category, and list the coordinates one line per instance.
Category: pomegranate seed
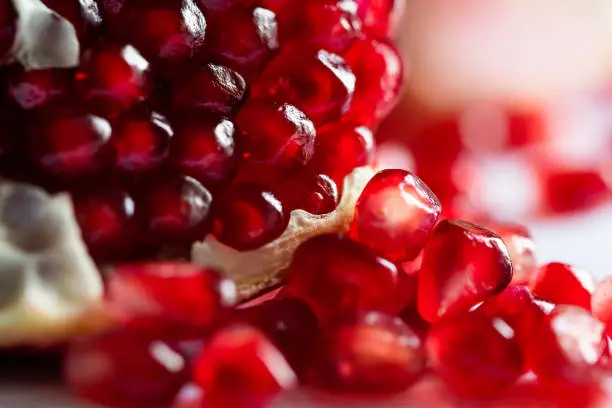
(601, 303)
(317, 194)
(567, 346)
(395, 214)
(121, 369)
(341, 147)
(106, 218)
(336, 276)
(244, 39)
(174, 210)
(332, 25)
(161, 30)
(8, 26)
(36, 88)
(141, 141)
(539, 394)
(113, 78)
(317, 82)
(371, 353)
(248, 216)
(86, 152)
(474, 354)
(209, 87)
(169, 300)
(377, 65)
(289, 324)
(572, 190)
(522, 250)
(408, 287)
(463, 265)
(276, 135)
(205, 149)
(380, 17)
(563, 284)
(239, 367)
(517, 307)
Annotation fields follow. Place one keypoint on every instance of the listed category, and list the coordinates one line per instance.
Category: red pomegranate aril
(169, 300)
(316, 81)
(474, 354)
(567, 346)
(248, 216)
(407, 286)
(204, 147)
(142, 141)
(572, 190)
(380, 17)
(71, 145)
(601, 303)
(124, 370)
(35, 88)
(174, 210)
(522, 250)
(241, 368)
(317, 193)
(332, 25)
(369, 353)
(113, 78)
(463, 265)
(106, 218)
(377, 66)
(289, 324)
(208, 87)
(243, 38)
(336, 277)
(518, 308)
(8, 26)
(395, 215)
(560, 283)
(277, 135)
(166, 31)
(341, 147)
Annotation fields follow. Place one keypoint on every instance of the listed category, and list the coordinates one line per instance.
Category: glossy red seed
(318, 194)
(370, 353)
(248, 216)
(240, 367)
(474, 354)
(395, 214)
(341, 147)
(332, 25)
(244, 38)
(288, 323)
(336, 276)
(8, 26)
(463, 265)
(86, 151)
(563, 284)
(113, 78)
(572, 190)
(380, 17)
(161, 30)
(208, 87)
(567, 346)
(36, 88)
(518, 308)
(141, 141)
(106, 219)
(174, 210)
(277, 135)
(205, 149)
(169, 300)
(522, 250)
(377, 66)
(124, 370)
(316, 81)
(601, 303)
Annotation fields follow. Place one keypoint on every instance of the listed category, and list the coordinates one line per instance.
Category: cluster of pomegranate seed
(466, 157)
(405, 298)
(193, 117)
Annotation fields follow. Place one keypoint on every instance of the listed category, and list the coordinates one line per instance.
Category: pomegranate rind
(256, 270)
(57, 287)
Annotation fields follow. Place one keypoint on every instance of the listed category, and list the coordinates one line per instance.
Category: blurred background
(507, 114)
